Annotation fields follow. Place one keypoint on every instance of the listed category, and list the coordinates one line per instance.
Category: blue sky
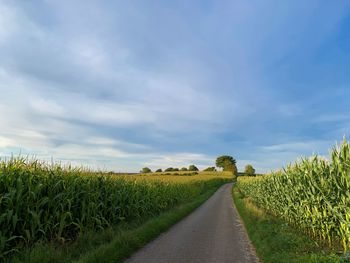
(120, 85)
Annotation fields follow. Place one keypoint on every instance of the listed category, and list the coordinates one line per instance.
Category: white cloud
(276, 156)
(300, 147)
(47, 107)
(139, 86)
(72, 151)
(5, 142)
(180, 160)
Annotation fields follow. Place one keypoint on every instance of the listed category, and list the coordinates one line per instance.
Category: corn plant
(52, 202)
(312, 194)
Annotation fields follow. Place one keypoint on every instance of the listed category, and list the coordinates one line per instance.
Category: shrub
(192, 167)
(145, 170)
(249, 170)
(209, 169)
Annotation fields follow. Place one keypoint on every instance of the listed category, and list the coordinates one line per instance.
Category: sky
(120, 85)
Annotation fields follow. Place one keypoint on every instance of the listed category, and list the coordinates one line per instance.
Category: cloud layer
(119, 85)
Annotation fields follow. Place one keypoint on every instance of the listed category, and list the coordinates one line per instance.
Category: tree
(249, 170)
(176, 169)
(209, 169)
(170, 169)
(159, 171)
(145, 170)
(227, 163)
(192, 167)
(183, 169)
(235, 170)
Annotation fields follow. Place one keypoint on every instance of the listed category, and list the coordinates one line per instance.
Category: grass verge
(113, 244)
(277, 242)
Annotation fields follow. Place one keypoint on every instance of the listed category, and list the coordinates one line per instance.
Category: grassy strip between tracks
(113, 244)
(277, 242)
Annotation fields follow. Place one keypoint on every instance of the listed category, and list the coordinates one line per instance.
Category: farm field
(310, 196)
(43, 204)
(174, 131)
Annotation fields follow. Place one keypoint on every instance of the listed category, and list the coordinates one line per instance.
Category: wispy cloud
(181, 160)
(123, 85)
(306, 146)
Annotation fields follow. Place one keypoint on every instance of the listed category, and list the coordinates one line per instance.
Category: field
(60, 209)
(312, 195)
(42, 202)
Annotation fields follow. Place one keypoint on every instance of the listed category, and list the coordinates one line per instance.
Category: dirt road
(212, 233)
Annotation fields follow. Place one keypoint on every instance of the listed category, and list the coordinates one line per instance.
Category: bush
(192, 167)
(145, 170)
(159, 171)
(249, 170)
(209, 169)
(183, 169)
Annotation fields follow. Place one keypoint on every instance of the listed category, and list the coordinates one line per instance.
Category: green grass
(112, 244)
(276, 242)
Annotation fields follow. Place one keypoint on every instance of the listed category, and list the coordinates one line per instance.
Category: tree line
(225, 162)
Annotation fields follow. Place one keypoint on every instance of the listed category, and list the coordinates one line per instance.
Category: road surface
(212, 233)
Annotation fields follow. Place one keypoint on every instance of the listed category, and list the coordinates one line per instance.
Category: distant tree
(176, 169)
(159, 171)
(146, 170)
(249, 170)
(183, 169)
(170, 169)
(192, 167)
(209, 169)
(227, 163)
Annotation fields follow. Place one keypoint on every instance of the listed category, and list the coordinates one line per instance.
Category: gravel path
(212, 233)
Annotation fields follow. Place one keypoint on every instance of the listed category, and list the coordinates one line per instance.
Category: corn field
(312, 194)
(51, 202)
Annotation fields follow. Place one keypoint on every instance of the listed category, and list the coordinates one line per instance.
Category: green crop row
(312, 194)
(51, 202)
